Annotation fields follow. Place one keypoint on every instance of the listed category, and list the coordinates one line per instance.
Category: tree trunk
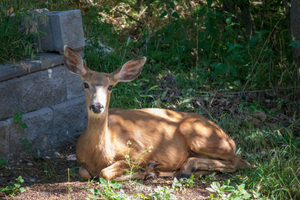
(295, 31)
(149, 9)
(247, 17)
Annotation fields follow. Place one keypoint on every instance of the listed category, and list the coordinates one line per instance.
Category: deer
(187, 142)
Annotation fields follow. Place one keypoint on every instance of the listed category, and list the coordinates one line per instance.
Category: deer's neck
(97, 127)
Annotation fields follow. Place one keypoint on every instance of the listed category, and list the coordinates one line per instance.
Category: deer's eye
(110, 87)
(86, 85)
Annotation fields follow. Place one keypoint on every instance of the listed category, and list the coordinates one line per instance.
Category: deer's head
(98, 86)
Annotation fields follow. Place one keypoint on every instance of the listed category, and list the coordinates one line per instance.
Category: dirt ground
(46, 177)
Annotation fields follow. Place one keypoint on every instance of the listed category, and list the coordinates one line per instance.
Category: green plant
(133, 164)
(15, 188)
(25, 142)
(18, 118)
(229, 192)
(188, 182)
(176, 184)
(50, 171)
(108, 190)
(162, 193)
(17, 30)
(3, 162)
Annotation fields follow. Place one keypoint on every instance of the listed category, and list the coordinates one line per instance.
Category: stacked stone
(49, 96)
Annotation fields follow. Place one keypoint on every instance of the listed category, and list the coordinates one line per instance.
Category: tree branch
(128, 16)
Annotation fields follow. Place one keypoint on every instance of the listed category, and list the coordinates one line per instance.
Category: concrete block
(4, 138)
(74, 85)
(50, 60)
(69, 119)
(9, 71)
(38, 132)
(43, 88)
(46, 40)
(67, 29)
(29, 65)
(10, 98)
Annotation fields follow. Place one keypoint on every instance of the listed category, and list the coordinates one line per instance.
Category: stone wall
(50, 98)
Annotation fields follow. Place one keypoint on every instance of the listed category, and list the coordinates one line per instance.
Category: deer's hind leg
(209, 143)
(205, 166)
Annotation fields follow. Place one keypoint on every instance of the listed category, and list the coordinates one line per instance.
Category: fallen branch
(128, 16)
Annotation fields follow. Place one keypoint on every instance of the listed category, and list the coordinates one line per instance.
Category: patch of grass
(50, 171)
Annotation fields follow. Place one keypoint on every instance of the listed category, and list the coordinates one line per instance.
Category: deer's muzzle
(97, 108)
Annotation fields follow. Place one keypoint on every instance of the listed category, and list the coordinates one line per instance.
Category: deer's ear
(74, 62)
(130, 70)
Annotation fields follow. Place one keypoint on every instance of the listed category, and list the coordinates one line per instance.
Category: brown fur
(176, 140)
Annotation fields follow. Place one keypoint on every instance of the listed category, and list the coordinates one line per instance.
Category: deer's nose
(96, 108)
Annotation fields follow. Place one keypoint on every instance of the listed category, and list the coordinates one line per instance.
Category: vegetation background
(233, 61)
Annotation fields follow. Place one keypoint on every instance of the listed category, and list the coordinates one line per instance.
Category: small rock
(71, 157)
(56, 153)
(38, 153)
(29, 164)
(268, 100)
(18, 163)
(32, 180)
(47, 157)
(251, 155)
(20, 160)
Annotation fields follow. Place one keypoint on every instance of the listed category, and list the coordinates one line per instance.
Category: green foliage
(50, 171)
(17, 33)
(188, 182)
(277, 162)
(108, 190)
(18, 118)
(25, 142)
(132, 164)
(229, 192)
(162, 193)
(15, 188)
(3, 162)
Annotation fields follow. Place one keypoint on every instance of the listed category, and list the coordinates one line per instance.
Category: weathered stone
(74, 85)
(67, 29)
(50, 60)
(4, 138)
(38, 132)
(43, 88)
(70, 119)
(40, 17)
(9, 71)
(10, 98)
(29, 66)
(81, 53)
(44, 25)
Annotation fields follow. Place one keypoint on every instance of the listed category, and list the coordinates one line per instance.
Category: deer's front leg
(114, 170)
(83, 173)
